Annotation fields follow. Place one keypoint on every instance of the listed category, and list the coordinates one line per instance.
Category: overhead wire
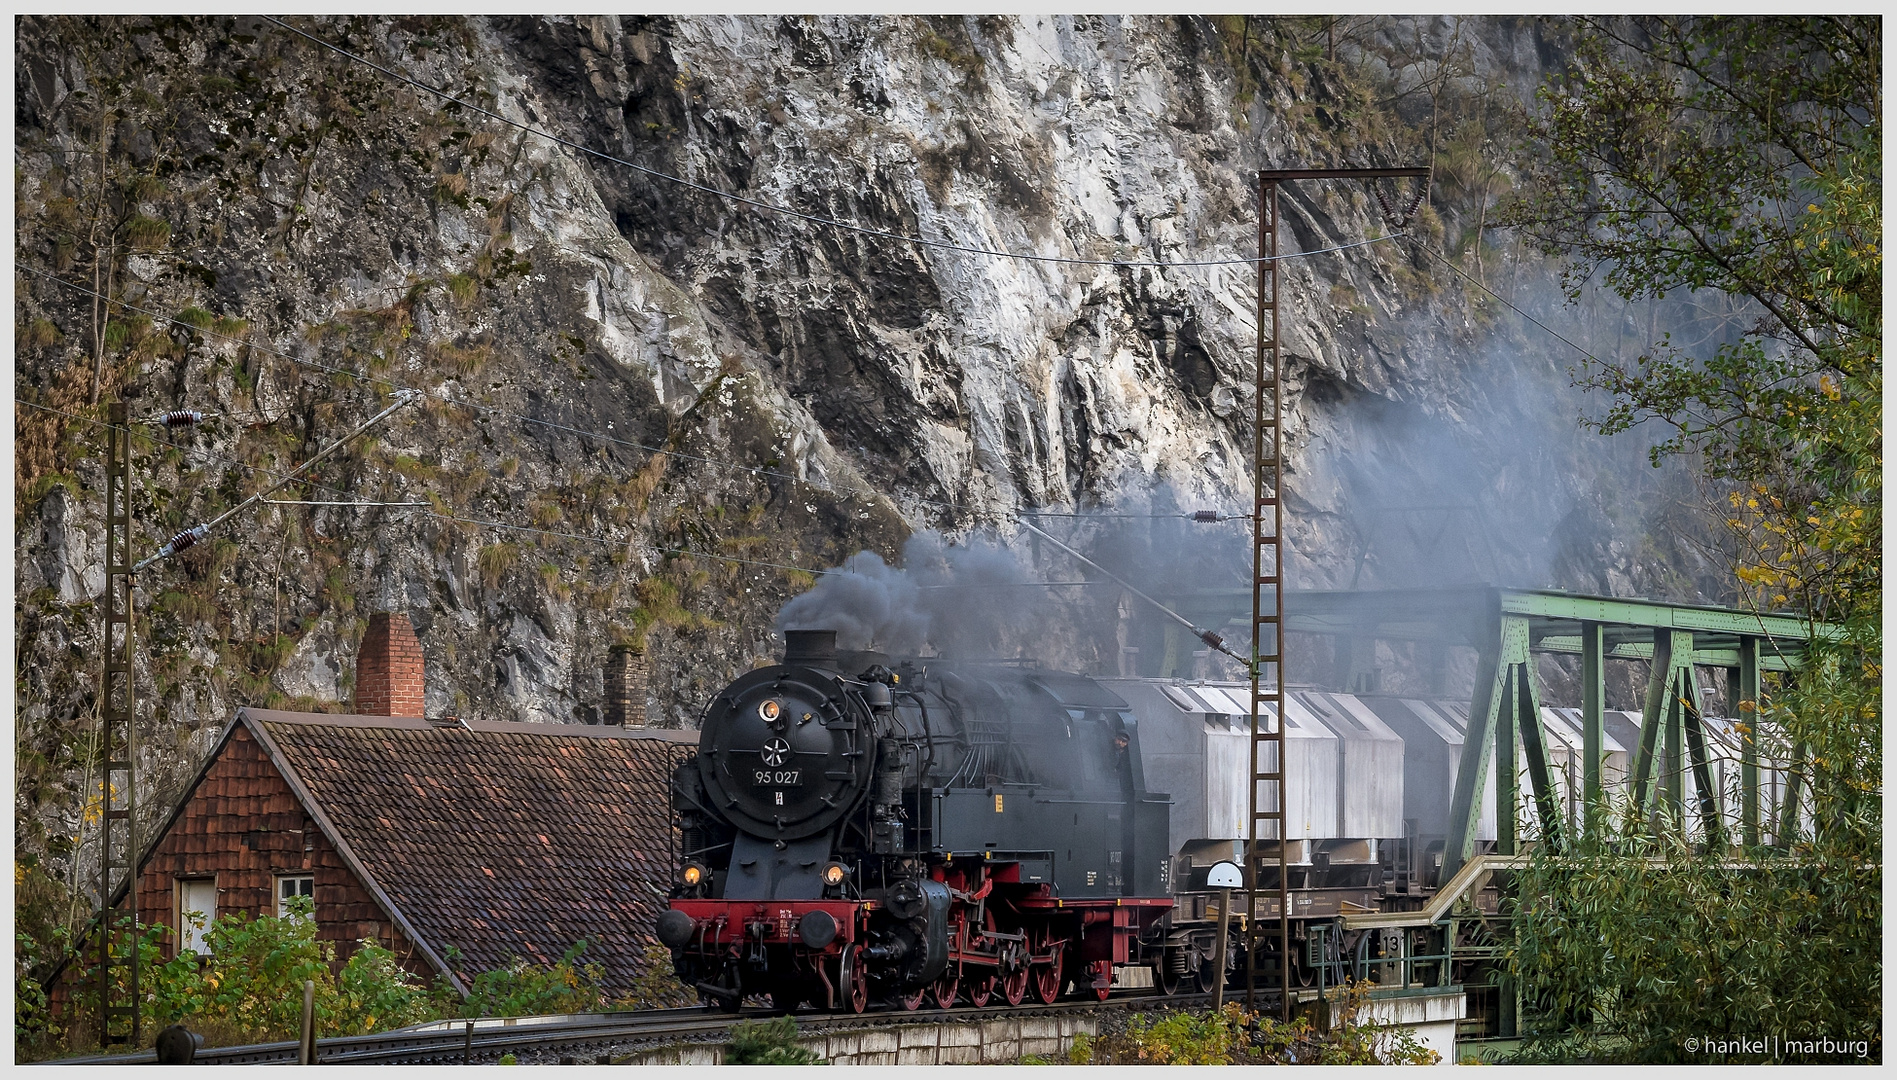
(209, 455)
(775, 208)
(587, 433)
(475, 406)
(1477, 282)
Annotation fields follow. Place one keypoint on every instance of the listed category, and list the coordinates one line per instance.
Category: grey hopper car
(1196, 738)
(1366, 769)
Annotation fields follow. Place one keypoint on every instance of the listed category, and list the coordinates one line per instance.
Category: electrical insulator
(1205, 515)
(183, 540)
(178, 418)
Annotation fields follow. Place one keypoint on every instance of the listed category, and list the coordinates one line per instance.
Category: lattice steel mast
(1267, 743)
(118, 748)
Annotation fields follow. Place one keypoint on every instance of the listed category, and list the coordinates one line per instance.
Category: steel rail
(449, 1043)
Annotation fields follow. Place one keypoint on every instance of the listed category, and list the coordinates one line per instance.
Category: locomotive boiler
(858, 828)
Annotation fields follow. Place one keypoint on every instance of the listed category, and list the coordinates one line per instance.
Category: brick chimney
(389, 668)
(625, 704)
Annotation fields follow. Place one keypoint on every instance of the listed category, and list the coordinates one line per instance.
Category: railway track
(587, 1038)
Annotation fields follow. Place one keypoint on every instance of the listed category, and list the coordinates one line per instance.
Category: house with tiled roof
(457, 844)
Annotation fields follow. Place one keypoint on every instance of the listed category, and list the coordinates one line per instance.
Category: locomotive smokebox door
(785, 755)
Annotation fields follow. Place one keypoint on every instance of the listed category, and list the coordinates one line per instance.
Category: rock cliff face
(651, 403)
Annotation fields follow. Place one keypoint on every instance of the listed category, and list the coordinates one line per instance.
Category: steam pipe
(1207, 636)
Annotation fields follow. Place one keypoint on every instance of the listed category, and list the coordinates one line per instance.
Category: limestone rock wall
(652, 408)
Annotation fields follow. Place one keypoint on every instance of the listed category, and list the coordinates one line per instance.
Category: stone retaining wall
(989, 1042)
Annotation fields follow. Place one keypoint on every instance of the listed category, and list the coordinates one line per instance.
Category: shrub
(525, 989)
(657, 985)
(768, 1042)
(1233, 1036)
(375, 993)
(250, 986)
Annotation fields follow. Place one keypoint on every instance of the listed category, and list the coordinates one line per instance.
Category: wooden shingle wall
(244, 826)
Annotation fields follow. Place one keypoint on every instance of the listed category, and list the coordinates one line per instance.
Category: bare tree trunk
(1481, 222)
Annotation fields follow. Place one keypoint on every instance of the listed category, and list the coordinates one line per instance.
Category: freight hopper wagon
(1368, 790)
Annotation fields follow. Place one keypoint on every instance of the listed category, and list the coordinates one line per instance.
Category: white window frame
(283, 897)
(192, 931)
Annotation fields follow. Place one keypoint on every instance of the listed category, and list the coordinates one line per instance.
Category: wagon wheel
(1208, 975)
(1303, 973)
(1014, 974)
(856, 998)
(1164, 977)
(1101, 981)
(911, 1000)
(945, 989)
(1047, 976)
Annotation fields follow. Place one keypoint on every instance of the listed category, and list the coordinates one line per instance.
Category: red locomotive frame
(1006, 940)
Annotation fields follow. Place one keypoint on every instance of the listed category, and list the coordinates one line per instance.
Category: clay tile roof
(500, 840)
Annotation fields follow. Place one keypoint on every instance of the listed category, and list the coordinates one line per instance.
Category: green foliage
(38, 334)
(375, 993)
(1624, 959)
(1233, 1036)
(463, 288)
(197, 318)
(495, 560)
(768, 1042)
(147, 233)
(250, 986)
(525, 989)
(32, 1018)
(1740, 155)
(657, 986)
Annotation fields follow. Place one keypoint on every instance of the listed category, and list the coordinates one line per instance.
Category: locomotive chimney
(389, 668)
(625, 704)
(815, 647)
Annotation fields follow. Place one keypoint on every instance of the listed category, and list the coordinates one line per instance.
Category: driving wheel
(980, 989)
(911, 1000)
(1047, 976)
(1014, 974)
(945, 990)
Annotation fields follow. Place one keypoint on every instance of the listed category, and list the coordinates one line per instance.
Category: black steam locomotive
(859, 829)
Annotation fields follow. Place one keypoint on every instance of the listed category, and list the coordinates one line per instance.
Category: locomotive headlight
(692, 874)
(770, 709)
(834, 873)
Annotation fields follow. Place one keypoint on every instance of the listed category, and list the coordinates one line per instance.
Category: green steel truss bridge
(1506, 628)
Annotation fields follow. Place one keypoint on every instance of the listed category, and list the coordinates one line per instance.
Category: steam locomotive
(857, 829)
